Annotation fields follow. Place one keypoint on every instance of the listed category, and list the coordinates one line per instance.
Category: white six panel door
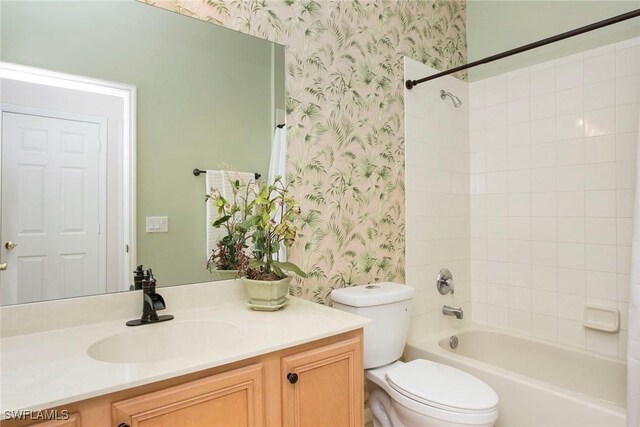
(50, 208)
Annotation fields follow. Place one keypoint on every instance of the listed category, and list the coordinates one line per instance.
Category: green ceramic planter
(267, 293)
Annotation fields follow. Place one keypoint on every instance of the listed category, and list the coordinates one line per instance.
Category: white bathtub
(539, 384)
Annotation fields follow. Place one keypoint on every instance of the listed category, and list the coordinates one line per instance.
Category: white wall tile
(571, 178)
(600, 149)
(560, 150)
(544, 277)
(496, 160)
(544, 106)
(570, 152)
(601, 284)
(496, 137)
(626, 146)
(544, 302)
(519, 181)
(626, 118)
(544, 204)
(544, 253)
(599, 95)
(624, 203)
(571, 229)
(497, 316)
(518, 87)
(520, 228)
(569, 101)
(569, 75)
(544, 229)
(495, 93)
(571, 306)
(520, 321)
(519, 158)
(624, 229)
(571, 203)
(599, 68)
(600, 176)
(627, 90)
(601, 257)
(571, 281)
(520, 274)
(601, 231)
(543, 130)
(520, 204)
(544, 179)
(438, 228)
(518, 134)
(571, 332)
(569, 126)
(543, 81)
(600, 122)
(544, 327)
(600, 203)
(518, 110)
(571, 255)
(627, 62)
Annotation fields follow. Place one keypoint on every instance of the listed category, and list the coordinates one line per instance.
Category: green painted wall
(204, 98)
(497, 26)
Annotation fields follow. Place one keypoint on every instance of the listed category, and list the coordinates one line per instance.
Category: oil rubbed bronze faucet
(151, 303)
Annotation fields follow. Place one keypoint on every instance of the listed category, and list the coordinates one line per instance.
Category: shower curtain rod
(596, 25)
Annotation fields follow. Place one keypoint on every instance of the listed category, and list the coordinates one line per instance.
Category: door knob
(10, 245)
(3, 266)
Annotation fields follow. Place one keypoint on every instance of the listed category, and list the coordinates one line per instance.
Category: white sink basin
(165, 341)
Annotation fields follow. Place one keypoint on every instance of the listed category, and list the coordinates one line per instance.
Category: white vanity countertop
(49, 368)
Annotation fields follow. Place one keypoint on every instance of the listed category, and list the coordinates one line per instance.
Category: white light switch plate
(157, 224)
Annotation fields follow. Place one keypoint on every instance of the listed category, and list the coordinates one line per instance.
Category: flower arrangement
(265, 215)
(272, 224)
(229, 253)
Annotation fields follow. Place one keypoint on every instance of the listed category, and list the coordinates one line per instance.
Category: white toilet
(419, 393)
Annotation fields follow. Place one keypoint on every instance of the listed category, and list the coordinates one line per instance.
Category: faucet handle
(445, 282)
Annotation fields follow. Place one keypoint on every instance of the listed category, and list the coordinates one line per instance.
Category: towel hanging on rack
(220, 180)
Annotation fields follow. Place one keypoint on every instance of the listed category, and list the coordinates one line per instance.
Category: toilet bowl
(419, 393)
(422, 393)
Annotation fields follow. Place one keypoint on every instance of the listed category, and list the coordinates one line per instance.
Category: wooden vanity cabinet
(72, 421)
(318, 384)
(323, 386)
(233, 398)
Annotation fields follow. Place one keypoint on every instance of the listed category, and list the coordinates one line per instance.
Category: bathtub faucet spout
(452, 311)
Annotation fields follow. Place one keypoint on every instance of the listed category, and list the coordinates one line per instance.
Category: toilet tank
(388, 305)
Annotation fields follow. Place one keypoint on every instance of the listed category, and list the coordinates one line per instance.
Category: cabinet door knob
(123, 425)
(292, 377)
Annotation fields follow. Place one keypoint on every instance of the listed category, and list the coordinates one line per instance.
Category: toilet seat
(443, 387)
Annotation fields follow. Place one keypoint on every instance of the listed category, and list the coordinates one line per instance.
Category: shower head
(456, 101)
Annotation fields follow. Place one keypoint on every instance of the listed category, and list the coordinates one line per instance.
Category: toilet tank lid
(372, 294)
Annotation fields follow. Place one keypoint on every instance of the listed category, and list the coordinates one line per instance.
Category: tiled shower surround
(553, 163)
(437, 197)
(544, 226)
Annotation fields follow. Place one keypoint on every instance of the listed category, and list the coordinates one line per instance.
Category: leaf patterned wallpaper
(345, 117)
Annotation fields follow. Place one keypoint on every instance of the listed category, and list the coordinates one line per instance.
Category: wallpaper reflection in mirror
(206, 97)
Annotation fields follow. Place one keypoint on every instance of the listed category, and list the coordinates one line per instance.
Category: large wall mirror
(107, 108)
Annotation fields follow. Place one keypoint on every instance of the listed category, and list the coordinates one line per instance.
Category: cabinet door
(233, 398)
(324, 387)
